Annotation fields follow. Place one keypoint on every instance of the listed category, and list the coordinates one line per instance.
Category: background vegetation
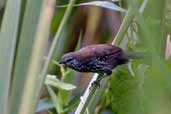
(34, 34)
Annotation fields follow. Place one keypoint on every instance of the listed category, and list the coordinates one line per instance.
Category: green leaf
(55, 99)
(28, 57)
(44, 104)
(49, 112)
(72, 103)
(53, 81)
(168, 16)
(126, 92)
(2, 3)
(104, 4)
(67, 77)
(8, 39)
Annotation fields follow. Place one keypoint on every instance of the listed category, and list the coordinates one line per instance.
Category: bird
(96, 58)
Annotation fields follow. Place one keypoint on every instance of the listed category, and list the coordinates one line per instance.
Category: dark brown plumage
(99, 58)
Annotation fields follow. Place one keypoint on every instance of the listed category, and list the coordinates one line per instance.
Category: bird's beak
(63, 63)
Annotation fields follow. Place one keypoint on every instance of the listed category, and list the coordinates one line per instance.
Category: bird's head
(68, 60)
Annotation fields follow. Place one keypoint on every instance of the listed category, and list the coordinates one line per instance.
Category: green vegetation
(34, 35)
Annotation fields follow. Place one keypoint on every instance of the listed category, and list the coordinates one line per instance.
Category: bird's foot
(95, 83)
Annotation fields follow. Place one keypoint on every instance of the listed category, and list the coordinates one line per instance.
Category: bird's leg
(97, 81)
(104, 68)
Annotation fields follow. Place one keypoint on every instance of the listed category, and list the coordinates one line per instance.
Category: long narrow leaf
(55, 100)
(104, 4)
(44, 104)
(54, 44)
(30, 93)
(8, 38)
(2, 3)
(23, 56)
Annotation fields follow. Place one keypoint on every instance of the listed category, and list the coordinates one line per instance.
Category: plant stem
(54, 43)
(123, 28)
(88, 95)
(49, 57)
(29, 97)
(85, 99)
(90, 101)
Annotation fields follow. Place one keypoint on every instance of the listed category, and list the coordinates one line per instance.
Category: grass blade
(55, 100)
(104, 4)
(23, 56)
(29, 98)
(8, 38)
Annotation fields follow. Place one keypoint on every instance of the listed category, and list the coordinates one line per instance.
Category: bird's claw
(95, 83)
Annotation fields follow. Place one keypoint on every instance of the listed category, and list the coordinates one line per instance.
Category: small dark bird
(98, 58)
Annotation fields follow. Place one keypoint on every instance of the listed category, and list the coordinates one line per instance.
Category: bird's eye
(69, 59)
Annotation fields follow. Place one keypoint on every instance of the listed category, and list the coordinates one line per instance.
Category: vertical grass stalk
(29, 97)
(8, 38)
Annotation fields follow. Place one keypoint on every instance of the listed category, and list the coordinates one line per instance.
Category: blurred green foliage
(142, 86)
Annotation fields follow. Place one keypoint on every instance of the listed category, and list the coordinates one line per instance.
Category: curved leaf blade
(105, 4)
(53, 81)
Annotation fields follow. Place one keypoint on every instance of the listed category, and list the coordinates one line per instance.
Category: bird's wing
(98, 50)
